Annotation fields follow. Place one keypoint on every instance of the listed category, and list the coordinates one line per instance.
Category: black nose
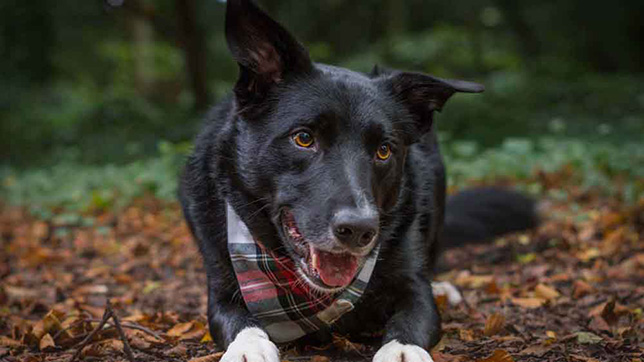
(355, 228)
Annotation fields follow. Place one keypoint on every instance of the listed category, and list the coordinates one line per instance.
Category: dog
(317, 198)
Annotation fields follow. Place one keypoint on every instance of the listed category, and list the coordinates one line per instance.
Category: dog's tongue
(335, 270)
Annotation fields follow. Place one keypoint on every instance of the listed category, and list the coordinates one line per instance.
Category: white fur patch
(251, 345)
(446, 288)
(397, 352)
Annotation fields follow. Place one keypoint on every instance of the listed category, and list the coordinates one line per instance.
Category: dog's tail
(481, 214)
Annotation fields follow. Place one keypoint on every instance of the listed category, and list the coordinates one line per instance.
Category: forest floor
(572, 290)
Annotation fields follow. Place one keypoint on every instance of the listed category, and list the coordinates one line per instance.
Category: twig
(106, 316)
(130, 325)
(117, 324)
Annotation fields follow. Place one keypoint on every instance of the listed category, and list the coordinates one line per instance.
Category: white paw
(396, 352)
(251, 345)
(447, 289)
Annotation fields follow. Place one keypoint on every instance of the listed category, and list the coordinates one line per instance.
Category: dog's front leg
(235, 329)
(251, 345)
(414, 327)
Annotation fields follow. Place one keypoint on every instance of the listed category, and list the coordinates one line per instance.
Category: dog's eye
(384, 152)
(303, 139)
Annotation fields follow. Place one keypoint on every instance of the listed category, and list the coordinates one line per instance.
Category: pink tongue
(335, 270)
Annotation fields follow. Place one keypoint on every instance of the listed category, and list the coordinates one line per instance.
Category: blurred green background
(99, 100)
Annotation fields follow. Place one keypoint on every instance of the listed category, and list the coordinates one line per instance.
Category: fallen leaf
(343, 344)
(8, 342)
(545, 292)
(206, 338)
(552, 337)
(492, 288)
(583, 358)
(441, 302)
(537, 351)
(180, 329)
(466, 335)
(580, 289)
(444, 357)
(179, 350)
(498, 356)
(588, 338)
(210, 358)
(526, 258)
(113, 345)
(47, 343)
(599, 324)
(49, 324)
(494, 324)
(318, 358)
(528, 303)
(467, 280)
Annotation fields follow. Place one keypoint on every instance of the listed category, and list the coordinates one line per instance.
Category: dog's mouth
(327, 271)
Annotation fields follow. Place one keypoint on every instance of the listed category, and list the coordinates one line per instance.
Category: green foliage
(81, 188)
(595, 165)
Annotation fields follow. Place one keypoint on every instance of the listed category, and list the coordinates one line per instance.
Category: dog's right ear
(266, 53)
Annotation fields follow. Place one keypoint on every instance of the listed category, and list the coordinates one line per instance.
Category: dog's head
(323, 148)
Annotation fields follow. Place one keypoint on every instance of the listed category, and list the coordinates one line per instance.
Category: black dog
(328, 168)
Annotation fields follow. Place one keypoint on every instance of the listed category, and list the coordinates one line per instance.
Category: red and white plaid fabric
(276, 295)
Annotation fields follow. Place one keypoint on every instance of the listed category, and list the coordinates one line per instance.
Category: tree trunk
(142, 39)
(191, 39)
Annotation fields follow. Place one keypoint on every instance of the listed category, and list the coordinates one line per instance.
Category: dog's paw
(454, 297)
(251, 345)
(397, 352)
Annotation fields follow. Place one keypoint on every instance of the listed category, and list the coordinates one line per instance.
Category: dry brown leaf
(206, 338)
(197, 332)
(467, 280)
(210, 358)
(113, 345)
(466, 335)
(444, 357)
(346, 345)
(581, 288)
(578, 357)
(552, 337)
(47, 343)
(318, 358)
(8, 342)
(494, 324)
(180, 329)
(441, 302)
(528, 303)
(179, 350)
(498, 356)
(492, 288)
(139, 343)
(545, 292)
(20, 293)
(536, 351)
(49, 324)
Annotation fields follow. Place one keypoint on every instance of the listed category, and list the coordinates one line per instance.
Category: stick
(131, 325)
(106, 315)
(117, 324)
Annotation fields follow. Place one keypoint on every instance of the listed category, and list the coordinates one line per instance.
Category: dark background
(86, 85)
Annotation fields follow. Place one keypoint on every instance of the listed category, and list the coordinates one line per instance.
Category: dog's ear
(423, 94)
(265, 51)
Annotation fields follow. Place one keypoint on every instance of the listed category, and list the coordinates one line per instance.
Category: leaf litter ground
(572, 290)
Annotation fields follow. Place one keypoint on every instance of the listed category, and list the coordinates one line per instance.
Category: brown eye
(303, 139)
(384, 152)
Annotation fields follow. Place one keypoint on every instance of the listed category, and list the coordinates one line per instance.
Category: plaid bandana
(276, 295)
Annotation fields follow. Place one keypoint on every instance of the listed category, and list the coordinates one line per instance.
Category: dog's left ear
(265, 51)
(423, 94)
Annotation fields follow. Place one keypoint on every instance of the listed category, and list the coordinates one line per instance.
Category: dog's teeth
(314, 259)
